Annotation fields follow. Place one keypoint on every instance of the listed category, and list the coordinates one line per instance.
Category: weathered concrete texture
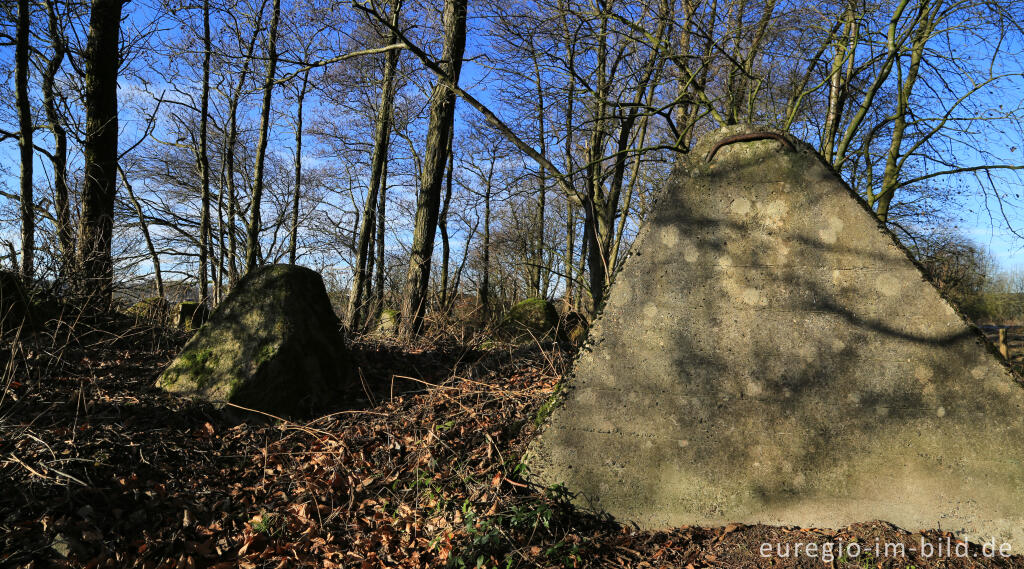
(272, 345)
(769, 354)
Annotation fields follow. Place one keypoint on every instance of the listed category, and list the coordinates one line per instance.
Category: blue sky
(979, 219)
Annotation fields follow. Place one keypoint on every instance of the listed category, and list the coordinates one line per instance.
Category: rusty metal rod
(746, 138)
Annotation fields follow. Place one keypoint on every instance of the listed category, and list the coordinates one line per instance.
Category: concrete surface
(272, 345)
(770, 354)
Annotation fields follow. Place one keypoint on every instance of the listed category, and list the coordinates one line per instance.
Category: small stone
(65, 545)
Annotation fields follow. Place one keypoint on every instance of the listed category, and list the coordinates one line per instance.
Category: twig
(66, 475)
(366, 387)
(29, 468)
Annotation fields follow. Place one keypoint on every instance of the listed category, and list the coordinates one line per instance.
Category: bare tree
(442, 116)
(25, 140)
(356, 315)
(100, 151)
(55, 122)
(204, 162)
(252, 249)
(294, 236)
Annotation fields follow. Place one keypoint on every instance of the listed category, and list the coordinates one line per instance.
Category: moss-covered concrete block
(533, 318)
(273, 345)
(154, 308)
(14, 302)
(191, 315)
(387, 323)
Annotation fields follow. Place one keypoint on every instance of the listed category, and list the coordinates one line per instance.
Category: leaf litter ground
(100, 469)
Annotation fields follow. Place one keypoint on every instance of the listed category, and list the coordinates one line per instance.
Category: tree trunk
(570, 226)
(252, 245)
(99, 151)
(381, 265)
(204, 162)
(218, 282)
(229, 159)
(457, 279)
(442, 116)
(837, 83)
(28, 220)
(293, 245)
(485, 278)
(570, 250)
(59, 157)
(893, 159)
(443, 222)
(356, 314)
(593, 203)
(536, 271)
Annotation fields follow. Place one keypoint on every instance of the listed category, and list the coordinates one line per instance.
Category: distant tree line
(969, 277)
(426, 155)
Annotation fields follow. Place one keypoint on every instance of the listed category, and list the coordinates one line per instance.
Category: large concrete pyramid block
(770, 354)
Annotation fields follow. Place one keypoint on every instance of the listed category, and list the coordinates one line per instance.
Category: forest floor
(100, 469)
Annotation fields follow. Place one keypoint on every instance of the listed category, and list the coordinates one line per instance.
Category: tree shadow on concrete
(787, 396)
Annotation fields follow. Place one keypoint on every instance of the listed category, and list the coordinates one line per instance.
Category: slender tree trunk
(581, 269)
(442, 116)
(28, 215)
(204, 162)
(570, 228)
(368, 294)
(893, 159)
(837, 85)
(485, 278)
(685, 80)
(229, 158)
(593, 204)
(153, 256)
(293, 244)
(99, 151)
(457, 280)
(252, 246)
(570, 252)
(381, 215)
(443, 222)
(59, 158)
(218, 283)
(356, 315)
(231, 228)
(536, 271)
(737, 11)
